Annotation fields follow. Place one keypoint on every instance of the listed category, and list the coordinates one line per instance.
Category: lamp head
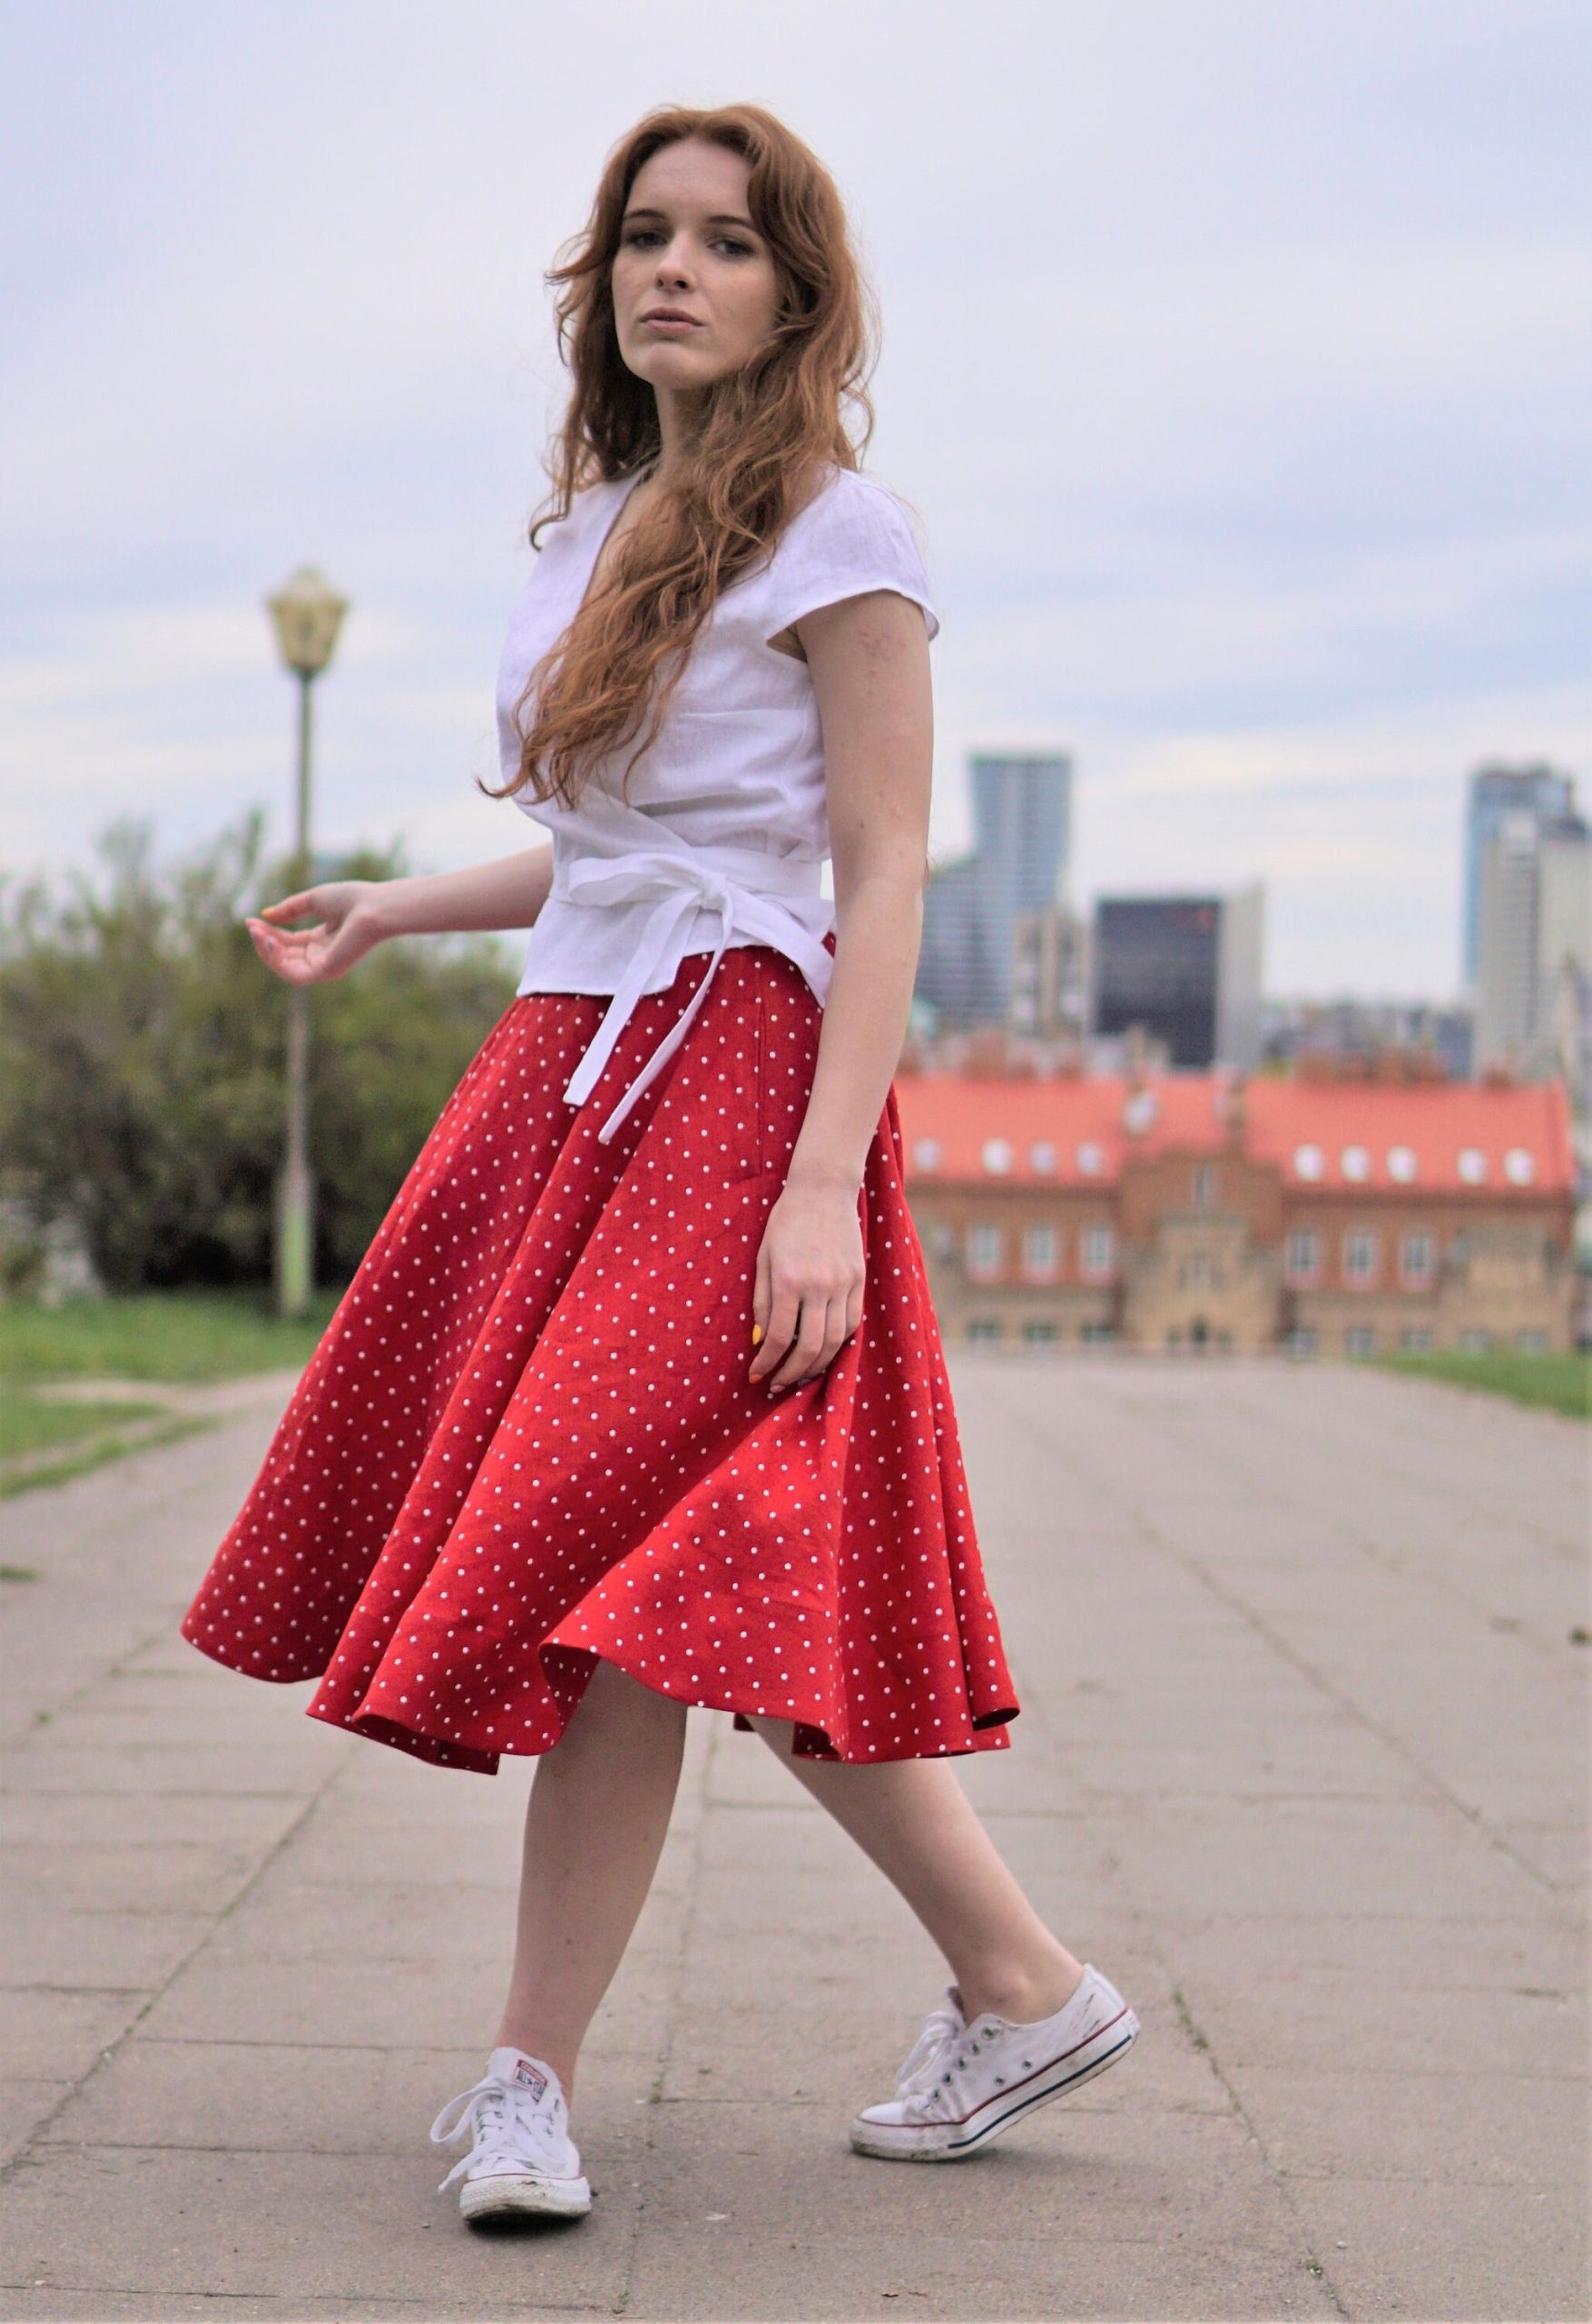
(307, 613)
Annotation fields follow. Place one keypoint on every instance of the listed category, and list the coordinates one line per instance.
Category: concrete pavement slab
(1412, 2249)
(1286, 2017)
(50, 2032)
(295, 2098)
(1243, 1950)
(77, 2306)
(25, 2105)
(284, 2226)
(1297, 1766)
(825, 2279)
(46, 1943)
(1480, 2127)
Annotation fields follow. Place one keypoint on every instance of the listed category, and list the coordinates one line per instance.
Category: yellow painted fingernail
(756, 1333)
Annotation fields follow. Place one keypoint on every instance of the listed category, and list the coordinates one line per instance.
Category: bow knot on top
(744, 887)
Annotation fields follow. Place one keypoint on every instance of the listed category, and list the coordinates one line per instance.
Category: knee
(615, 1705)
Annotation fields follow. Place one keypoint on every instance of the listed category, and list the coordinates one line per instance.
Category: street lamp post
(307, 614)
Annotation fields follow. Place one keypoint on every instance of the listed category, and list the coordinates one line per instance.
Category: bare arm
(353, 916)
(508, 894)
(870, 663)
(868, 656)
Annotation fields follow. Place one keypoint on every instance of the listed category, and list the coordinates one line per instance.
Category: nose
(674, 270)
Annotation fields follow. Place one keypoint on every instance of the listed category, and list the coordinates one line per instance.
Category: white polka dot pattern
(527, 1439)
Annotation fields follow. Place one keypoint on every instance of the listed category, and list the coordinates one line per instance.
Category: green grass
(92, 1455)
(1560, 1382)
(30, 1424)
(171, 1337)
(177, 1335)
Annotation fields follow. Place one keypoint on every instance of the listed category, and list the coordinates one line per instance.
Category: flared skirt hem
(528, 1441)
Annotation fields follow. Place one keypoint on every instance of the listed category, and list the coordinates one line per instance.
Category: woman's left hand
(807, 1298)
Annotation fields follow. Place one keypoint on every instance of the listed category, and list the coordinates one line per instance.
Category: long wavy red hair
(764, 434)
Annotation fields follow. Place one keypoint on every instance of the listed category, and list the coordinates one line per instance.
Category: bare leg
(594, 1828)
(918, 1825)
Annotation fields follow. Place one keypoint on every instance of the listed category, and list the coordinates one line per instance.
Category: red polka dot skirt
(527, 1439)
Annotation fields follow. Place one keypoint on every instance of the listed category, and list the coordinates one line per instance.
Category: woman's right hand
(346, 929)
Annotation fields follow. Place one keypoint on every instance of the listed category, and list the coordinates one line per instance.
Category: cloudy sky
(1238, 359)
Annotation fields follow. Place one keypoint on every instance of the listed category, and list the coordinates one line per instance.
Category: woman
(637, 1399)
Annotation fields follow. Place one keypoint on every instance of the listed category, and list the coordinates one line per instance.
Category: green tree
(143, 1050)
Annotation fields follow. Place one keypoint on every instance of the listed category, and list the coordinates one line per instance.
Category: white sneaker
(961, 2085)
(522, 2157)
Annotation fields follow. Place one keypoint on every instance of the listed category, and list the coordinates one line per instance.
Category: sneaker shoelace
(505, 2121)
(925, 2061)
(933, 2100)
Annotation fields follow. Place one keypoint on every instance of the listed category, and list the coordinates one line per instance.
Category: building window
(1519, 1167)
(1309, 1161)
(1531, 1343)
(1195, 1270)
(1472, 1164)
(1098, 1251)
(1416, 1340)
(985, 1242)
(1359, 1256)
(1041, 1333)
(1090, 1158)
(1417, 1258)
(1041, 1250)
(1204, 1183)
(1476, 1343)
(1098, 1335)
(1301, 1340)
(998, 1155)
(1358, 1340)
(926, 1153)
(1402, 1164)
(1355, 1162)
(984, 1327)
(1042, 1155)
(1302, 1257)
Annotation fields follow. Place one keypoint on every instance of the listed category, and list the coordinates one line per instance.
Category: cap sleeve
(854, 536)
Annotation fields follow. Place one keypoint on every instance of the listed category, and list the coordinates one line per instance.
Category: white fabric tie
(743, 887)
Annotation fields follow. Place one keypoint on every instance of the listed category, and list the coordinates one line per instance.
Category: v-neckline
(606, 534)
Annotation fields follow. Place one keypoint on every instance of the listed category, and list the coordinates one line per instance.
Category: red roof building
(1185, 1209)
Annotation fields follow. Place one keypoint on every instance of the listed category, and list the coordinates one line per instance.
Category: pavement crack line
(156, 1992)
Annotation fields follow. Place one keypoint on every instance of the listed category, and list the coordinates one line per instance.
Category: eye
(640, 233)
(741, 250)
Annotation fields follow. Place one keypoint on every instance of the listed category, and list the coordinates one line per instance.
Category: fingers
(761, 1303)
(297, 958)
(291, 907)
(779, 1313)
(809, 1334)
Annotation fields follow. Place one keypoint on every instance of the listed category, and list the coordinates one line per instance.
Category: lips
(668, 315)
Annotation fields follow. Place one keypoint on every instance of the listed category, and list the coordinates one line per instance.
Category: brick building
(1177, 1210)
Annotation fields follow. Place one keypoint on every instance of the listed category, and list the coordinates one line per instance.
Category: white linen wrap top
(725, 835)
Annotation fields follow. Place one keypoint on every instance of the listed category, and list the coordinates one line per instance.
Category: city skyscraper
(1538, 791)
(1022, 841)
(1186, 969)
(1535, 944)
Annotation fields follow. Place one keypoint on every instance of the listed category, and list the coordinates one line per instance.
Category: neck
(679, 414)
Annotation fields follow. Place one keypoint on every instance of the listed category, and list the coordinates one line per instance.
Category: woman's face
(688, 249)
